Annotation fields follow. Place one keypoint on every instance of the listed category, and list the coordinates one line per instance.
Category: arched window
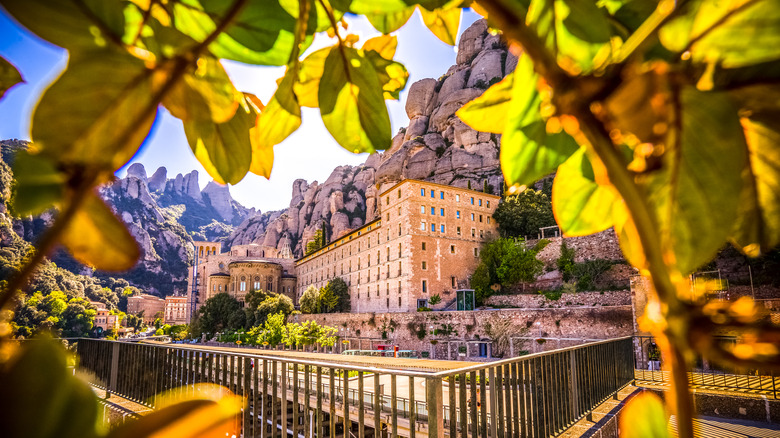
(213, 287)
(257, 283)
(243, 284)
(270, 284)
(220, 288)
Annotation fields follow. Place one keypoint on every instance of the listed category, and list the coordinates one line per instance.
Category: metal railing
(704, 375)
(537, 395)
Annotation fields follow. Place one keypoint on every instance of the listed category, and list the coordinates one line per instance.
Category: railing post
(575, 390)
(114, 369)
(435, 400)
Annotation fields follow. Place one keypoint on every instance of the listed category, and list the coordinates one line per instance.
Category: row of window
(457, 213)
(442, 228)
(432, 192)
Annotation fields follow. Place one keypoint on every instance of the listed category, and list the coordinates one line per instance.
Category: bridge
(325, 395)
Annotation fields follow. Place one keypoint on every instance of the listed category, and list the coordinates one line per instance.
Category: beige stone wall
(384, 263)
(246, 275)
(565, 324)
(536, 301)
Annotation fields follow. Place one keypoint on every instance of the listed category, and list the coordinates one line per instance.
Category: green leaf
(96, 237)
(757, 229)
(390, 21)
(733, 33)
(528, 151)
(9, 76)
(38, 184)
(318, 16)
(224, 149)
(74, 25)
(443, 23)
(37, 381)
(280, 118)
(375, 7)
(204, 94)
(581, 205)
(644, 417)
(352, 103)
(695, 193)
(576, 31)
(488, 112)
(262, 33)
(98, 112)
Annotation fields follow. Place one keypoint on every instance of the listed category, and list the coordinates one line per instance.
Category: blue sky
(310, 153)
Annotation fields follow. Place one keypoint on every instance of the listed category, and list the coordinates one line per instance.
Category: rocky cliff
(164, 215)
(436, 146)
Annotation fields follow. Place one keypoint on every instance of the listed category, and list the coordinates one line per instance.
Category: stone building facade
(425, 242)
(149, 304)
(176, 310)
(243, 268)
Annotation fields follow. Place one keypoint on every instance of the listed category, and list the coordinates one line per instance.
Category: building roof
(343, 239)
(253, 261)
(444, 186)
(219, 274)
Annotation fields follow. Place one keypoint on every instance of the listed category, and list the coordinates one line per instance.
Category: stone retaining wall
(579, 299)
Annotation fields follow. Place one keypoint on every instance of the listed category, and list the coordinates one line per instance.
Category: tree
(273, 305)
(612, 96)
(215, 314)
(334, 297)
(524, 213)
(504, 262)
(309, 299)
(317, 241)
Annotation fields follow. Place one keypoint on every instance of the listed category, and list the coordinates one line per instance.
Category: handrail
(512, 360)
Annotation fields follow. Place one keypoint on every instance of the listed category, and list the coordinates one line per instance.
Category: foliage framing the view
(660, 120)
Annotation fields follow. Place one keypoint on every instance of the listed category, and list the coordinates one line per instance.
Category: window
(452, 249)
(422, 192)
(481, 235)
(399, 301)
(441, 228)
(488, 219)
(214, 287)
(388, 201)
(433, 211)
(422, 209)
(388, 303)
(399, 250)
(399, 193)
(433, 227)
(457, 214)
(425, 286)
(422, 302)
(488, 204)
(472, 200)
(423, 246)
(480, 203)
(388, 217)
(473, 232)
(452, 280)
(399, 230)
(432, 195)
(388, 253)
(422, 226)
(220, 288)
(441, 195)
(476, 252)
(472, 216)
(457, 198)
(424, 265)
(441, 212)
(399, 210)
(458, 231)
(480, 218)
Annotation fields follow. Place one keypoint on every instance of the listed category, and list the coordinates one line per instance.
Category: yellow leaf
(443, 23)
(309, 75)
(204, 94)
(385, 45)
(488, 112)
(644, 417)
(211, 411)
(280, 118)
(96, 237)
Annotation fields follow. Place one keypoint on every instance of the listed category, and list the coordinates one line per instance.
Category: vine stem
(85, 183)
(512, 22)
